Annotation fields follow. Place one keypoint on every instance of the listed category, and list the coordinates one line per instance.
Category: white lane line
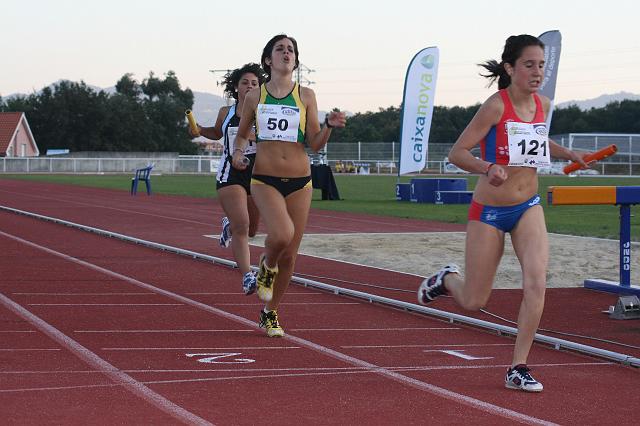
(377, 329)
(26, 349)
(424, 386)
(236, 293)
(459, 354)
(105, 304)
(104, 207)
(298, 293)
(314, 372)
(164, 331)
(17, 331)
(424, 346)
(310, 369)
(117, 376)
(290, 303)
(183, 304)
(83, 294)
(244, 348)
(383, 234)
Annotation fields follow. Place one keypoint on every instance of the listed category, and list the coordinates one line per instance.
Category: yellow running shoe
(266, 277)
(269, 321)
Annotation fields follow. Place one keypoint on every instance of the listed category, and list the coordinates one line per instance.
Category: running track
(95, 330)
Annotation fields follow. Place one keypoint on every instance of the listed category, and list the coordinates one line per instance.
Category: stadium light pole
(302, 68)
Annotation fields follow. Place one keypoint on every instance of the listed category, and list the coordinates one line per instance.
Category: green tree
(138, 117)
(67, 115)
(164, 105)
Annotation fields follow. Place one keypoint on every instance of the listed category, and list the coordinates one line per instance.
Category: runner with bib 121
(511, 131)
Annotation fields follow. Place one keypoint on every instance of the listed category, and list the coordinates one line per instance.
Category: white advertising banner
(417, 110)
(552, 43)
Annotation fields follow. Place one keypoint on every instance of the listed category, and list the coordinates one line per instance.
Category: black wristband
(326, 122)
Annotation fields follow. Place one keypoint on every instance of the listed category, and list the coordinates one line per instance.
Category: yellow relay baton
(192, 123)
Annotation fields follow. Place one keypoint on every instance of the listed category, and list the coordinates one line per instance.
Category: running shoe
(269, 321)
(519, 377)
(433, 286)
(266, 277)
(225, 235)
(249, 283)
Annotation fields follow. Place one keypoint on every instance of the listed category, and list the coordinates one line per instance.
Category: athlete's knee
(473, 304)
(281, 238)
(239, 227)
(534, 289)
(475, 301)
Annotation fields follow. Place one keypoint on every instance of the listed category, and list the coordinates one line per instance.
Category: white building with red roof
(16, 139)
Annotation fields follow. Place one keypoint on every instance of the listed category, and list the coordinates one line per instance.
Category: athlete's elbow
(455, 156)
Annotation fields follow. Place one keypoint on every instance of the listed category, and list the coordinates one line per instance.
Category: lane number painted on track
(220, 358)
(459, 354)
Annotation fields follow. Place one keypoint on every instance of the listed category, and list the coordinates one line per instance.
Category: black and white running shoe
(433, 286)
(520, 378)
(225, 235)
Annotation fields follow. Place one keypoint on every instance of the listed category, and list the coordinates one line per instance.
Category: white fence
(187, 165)
(369, 157)
(190, 164)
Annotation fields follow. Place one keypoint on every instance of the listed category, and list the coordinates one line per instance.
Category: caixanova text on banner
(417, 110)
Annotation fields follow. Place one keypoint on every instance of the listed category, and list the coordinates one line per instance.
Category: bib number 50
(281, 124)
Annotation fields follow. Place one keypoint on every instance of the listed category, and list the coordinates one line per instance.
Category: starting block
(627, 307)
(623, 196)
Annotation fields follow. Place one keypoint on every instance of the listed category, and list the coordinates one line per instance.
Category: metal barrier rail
(371, 298)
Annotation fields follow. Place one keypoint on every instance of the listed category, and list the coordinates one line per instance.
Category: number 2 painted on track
(217, 358)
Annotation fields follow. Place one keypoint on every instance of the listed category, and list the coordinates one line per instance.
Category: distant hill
(600, 101)
(206, 107)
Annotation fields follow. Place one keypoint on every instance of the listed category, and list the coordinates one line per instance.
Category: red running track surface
(76, 303)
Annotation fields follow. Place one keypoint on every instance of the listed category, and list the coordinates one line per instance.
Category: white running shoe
(225, 235)
(433, 286)
(520, 378)
(249, 283)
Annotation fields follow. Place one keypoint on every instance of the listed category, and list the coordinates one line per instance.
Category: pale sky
(359, 50)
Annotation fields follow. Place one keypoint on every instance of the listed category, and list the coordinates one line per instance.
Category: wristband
(486, 172)
(326, 122)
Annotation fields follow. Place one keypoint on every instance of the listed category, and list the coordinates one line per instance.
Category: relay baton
(192, 122)
(605, 152)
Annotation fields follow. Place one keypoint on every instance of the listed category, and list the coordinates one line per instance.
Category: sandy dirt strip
(572, 259)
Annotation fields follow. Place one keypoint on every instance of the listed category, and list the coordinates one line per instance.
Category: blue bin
(423, 190)
(403, 191)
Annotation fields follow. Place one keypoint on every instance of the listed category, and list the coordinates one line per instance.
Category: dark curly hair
(512, 51)
(266, 52)
(231, 79)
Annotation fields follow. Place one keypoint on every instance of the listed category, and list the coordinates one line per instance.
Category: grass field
(375, 195)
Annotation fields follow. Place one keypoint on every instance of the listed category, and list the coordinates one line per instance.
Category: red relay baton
(605, 152)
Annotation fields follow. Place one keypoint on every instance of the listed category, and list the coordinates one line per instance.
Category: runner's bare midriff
(283, 159)
(521, 185)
